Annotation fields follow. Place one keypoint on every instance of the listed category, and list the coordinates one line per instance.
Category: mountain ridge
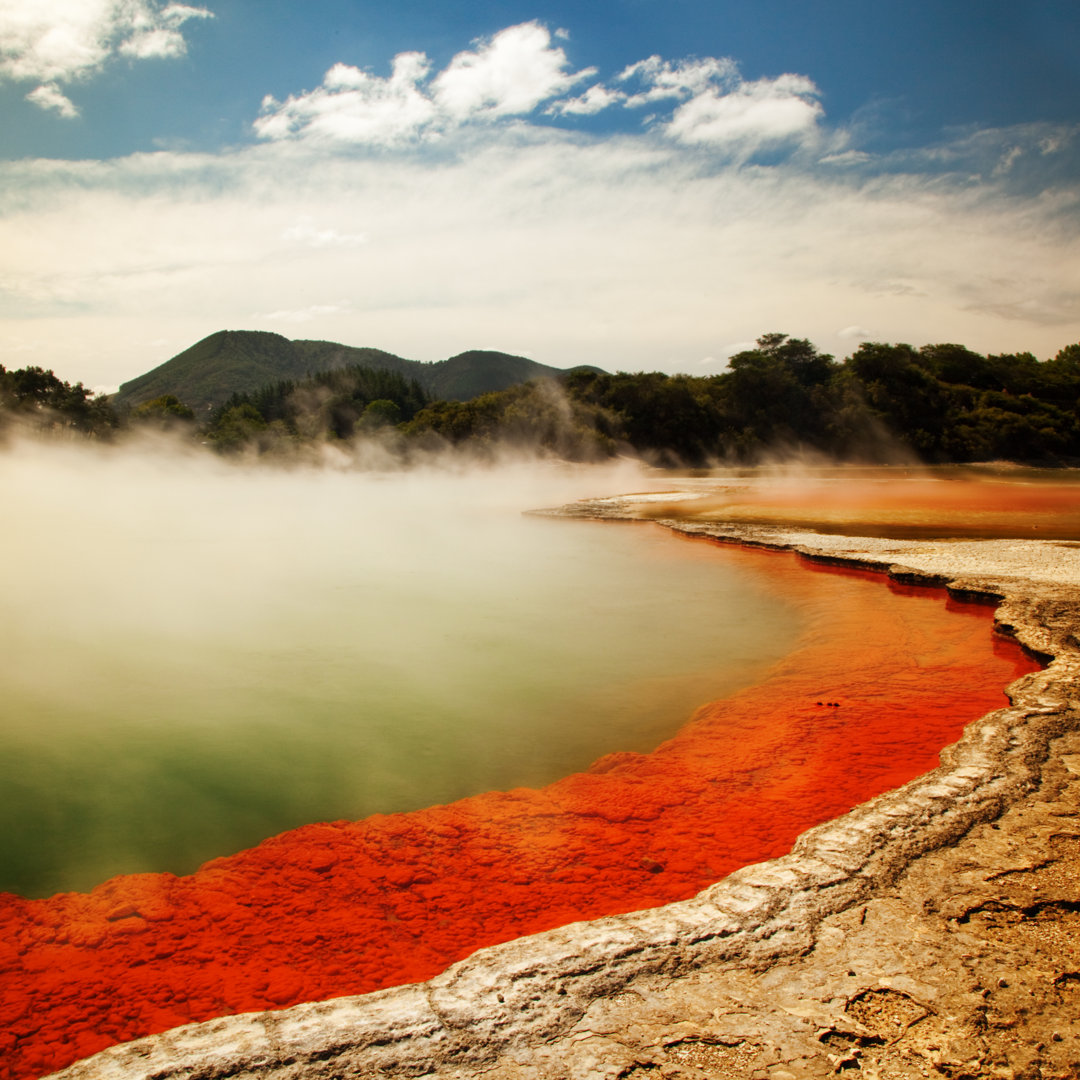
(228, 362)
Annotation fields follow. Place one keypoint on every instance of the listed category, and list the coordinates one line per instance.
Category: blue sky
(632, 183)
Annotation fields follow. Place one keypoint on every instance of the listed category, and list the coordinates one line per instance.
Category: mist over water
(197, 656)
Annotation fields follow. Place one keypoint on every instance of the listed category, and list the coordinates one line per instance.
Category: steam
(199, 654)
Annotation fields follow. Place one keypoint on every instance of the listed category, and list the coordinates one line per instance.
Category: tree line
(938, 402)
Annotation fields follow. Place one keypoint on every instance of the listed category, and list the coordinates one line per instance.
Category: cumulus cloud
(753, 116)
(49, 97)
(54, 42)
(355, 106)
(509, 75)
(714, 106)
(521, 70)
(594, 100)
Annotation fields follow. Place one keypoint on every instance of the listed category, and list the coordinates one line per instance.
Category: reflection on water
(195, 659)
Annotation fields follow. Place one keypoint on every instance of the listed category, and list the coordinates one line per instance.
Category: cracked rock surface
(932, 931)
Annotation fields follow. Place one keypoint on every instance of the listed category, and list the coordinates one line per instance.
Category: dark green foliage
(331, 405)
(237, 426)
(670, 419)
(941, 403)
(167, 412)
(900, 389)
(380, 413)
(39, 401)
(778, 395)
(949, 404)
(536, 416)
(773, 398)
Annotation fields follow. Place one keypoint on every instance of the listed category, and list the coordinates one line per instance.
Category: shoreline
(524, 1009)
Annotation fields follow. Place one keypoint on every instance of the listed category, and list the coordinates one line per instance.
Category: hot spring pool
(203, 657)
(197, 657)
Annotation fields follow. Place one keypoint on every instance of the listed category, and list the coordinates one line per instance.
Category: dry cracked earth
(969, 967)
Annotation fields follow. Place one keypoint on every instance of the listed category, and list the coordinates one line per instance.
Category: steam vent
(880, 928)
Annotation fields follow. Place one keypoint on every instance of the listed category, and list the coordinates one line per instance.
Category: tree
(380, 413)
(167, 412)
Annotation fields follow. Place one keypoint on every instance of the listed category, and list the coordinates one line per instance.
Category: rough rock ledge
(933, 931)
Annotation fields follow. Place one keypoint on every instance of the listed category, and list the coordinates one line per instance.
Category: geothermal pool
(859, 685)
(197, 658)
(993, 501)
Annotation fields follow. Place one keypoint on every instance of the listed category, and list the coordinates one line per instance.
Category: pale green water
(193, 659)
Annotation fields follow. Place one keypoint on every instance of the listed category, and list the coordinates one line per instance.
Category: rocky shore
(928, 932)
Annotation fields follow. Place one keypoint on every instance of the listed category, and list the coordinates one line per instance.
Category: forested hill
(884, 403)
(232, 362)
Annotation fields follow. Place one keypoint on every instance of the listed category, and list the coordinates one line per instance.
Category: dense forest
(938, 402)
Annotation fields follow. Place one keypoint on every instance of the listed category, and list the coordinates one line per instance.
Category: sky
(636, 184)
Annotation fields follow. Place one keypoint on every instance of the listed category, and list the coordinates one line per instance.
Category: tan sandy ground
(934, 931)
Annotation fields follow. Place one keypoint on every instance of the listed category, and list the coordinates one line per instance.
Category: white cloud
(149, 43)
(714, 106)
(48, 96)
(300, 315)
(519, 70)
(663, 79)
(355, 106)
(854, 333)
(58, 41)
(753, 116)
(511, 74)
(594, 100)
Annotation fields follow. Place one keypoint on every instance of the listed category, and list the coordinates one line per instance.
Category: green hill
(476, 372)
(243, 361)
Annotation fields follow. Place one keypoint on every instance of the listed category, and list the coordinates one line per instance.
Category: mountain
(243, 361)
(478, 371)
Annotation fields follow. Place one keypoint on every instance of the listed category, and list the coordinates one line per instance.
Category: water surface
(196, 658)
